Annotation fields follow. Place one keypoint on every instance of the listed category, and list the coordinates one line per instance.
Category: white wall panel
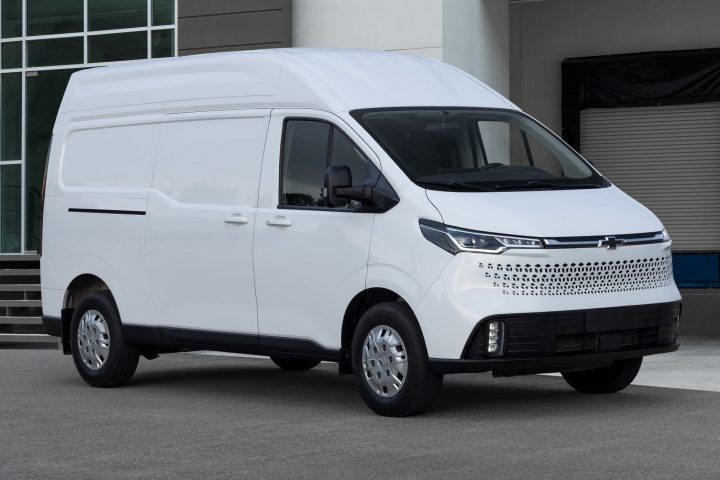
(400, 25)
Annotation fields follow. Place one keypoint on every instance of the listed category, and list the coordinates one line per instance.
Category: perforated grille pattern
(579, 278)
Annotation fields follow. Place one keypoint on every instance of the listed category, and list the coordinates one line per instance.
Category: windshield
(477, 150)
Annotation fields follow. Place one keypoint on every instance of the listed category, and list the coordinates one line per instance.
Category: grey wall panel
(668, 158)
(196, 8)
(206, 26)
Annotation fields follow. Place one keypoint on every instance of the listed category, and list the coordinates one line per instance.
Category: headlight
(454, 240)
(665, 236)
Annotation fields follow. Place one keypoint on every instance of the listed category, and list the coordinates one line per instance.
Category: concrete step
(21, 303)
(26, 338)
(18, 272)
(20, 320)
(18, 258)
(19, 287)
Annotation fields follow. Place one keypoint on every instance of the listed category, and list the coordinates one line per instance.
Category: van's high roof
(328, 79)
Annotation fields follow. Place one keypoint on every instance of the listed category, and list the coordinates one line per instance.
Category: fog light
(496, 338)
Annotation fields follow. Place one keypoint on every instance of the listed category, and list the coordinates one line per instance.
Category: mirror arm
(361, 193)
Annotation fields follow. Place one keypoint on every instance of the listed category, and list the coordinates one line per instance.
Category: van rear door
(200, 218)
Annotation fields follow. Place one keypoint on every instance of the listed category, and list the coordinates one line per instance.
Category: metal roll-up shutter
(666, 157)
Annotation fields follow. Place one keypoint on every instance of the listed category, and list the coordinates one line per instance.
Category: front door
(200, 219)
(310, 259)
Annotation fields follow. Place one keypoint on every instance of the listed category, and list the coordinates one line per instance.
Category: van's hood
(546, 213)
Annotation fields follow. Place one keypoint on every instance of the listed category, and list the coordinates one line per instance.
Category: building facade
(661, 148)
(42, 43)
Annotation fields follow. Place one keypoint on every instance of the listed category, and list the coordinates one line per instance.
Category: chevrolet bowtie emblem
(610, 242)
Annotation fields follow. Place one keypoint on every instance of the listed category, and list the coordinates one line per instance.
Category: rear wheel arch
(80, 286)
(77, 289)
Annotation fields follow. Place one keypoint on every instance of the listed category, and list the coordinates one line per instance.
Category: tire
(101, 363)
(605, 380)
(295, 364)
(393, 322)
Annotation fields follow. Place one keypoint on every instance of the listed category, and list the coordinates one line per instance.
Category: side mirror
(337, 176)
(378, 198)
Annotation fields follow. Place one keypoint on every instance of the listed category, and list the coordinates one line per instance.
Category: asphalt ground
(206, 417)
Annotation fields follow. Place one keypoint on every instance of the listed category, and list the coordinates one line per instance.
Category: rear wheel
(605, 380)
(101, 355)
(295, 364)
(390, 362)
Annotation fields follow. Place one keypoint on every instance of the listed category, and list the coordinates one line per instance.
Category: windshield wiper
(490, 166)
(541, 184)
(454, 185)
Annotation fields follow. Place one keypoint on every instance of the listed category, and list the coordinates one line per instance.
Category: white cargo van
(386, 212)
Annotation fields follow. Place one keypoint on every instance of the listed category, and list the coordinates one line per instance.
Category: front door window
(309, 148)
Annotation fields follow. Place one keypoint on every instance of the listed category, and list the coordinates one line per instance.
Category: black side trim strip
(201, 337)
(189, 339)
(113, 212)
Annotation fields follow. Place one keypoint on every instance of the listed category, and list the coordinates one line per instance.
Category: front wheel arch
(361, 303)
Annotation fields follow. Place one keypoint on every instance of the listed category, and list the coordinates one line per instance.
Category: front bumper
(529, 366)
(475, 286)
(569, 340)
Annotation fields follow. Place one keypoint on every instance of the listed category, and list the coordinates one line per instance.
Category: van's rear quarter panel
(109, 246)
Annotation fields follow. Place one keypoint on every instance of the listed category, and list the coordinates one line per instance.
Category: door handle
(278, 221)
(238, 218)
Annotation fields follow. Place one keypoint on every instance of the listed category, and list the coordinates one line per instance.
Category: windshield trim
(483, 187)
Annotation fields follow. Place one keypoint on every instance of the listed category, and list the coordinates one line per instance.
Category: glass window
(10, 195)
(477, 150)
(12, 55)
(162, 43)
(163, 12)
(305, 152)
(112, 14)
(47, 17)
(44, 93)
(344, 152)
(55, 51)
(117, 46)
(309, 148)
(10, 116)
(11, 18)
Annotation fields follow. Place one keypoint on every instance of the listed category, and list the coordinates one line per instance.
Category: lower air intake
(579, 332)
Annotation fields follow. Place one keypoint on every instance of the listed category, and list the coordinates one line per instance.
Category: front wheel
(390, 362)
(605, 380)
(101, 355)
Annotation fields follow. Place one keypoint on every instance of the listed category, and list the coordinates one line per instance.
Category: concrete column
(470, 34)
(406, 26)
(475, 38)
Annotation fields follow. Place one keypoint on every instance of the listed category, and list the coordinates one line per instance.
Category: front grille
(580, 278)
(581, 332)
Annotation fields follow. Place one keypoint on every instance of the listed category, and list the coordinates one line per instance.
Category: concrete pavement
(695, 366)
(192, 416)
